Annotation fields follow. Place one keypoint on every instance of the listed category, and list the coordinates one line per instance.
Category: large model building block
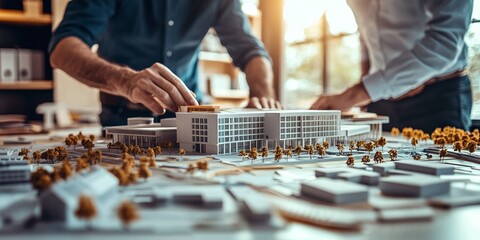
(414, 186)
(231, 131)
(60, 201)
(424, 167)
(335, 191)
(14, 173)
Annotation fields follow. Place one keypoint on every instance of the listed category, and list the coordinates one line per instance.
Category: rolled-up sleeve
(234, 31)
(436, 52)
(85, 19)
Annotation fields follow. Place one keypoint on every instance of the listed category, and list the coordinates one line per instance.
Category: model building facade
(229, 132)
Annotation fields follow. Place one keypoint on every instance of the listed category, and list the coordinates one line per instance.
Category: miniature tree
(81, 164)
(66, 169)
(181, 152)
(264, 153)
(321, 150)
(393, 154)
(458, 146)
(288, 153)
(394, 131)
(127, 165)
(157, 150)
(443, 153)
(414, 142)
(127, 213)
(382, 142)
(360, 144)
(144, 160)
(326, 145)
(298, 150)
(86, 209)
(55, 175)
(310, 151)
(191, 168)
(74, 141)
(253, 154)
(378, 157)
(278, 156)
(202, 165)
(92, 137)
(151, 162)
(351, 146)
(144, 172)
(441, 141)
(121, 176)
(136, 150)
(416, 156)
(132, 177)
(150, 152)
(36, 156)
(340, 148)
(407, 132)
(369, 147)
(62, 153)
(243, 154)
(365, 159)
(80, 136)
(109, 146)
(40, 179)
(350, 161)
(97, 156)
(170, 147)
(472, 146)
(425, 137)
(24, 152)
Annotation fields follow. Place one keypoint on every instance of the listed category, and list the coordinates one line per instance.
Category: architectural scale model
(59, 202)
(207, 130)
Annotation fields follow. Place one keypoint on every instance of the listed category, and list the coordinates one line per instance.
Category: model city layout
(203, 165)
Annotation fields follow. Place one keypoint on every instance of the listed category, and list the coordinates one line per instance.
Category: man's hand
(264, 103)
(158, 89)
(354, 96)
(260, 80)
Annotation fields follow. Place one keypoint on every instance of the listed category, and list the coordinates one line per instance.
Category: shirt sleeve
(234, 31)
(85, 19)
(437, 51)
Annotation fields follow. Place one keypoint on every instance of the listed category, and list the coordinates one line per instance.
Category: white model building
(145, 135)
(61, 200)
(229, 132)
(207, 130)
(14, 172)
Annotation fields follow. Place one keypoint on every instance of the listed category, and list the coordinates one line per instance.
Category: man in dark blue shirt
(148, 52)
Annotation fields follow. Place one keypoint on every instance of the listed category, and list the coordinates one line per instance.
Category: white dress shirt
(410, 41)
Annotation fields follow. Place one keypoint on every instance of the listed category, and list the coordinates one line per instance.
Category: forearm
(260, 77)
(75, 58)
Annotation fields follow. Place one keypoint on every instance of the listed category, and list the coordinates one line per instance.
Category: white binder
(8, 65)
(24, 65)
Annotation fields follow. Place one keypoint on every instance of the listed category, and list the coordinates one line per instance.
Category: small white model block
(414, 186)
(424, 167)
(139, 120)
(335, 191)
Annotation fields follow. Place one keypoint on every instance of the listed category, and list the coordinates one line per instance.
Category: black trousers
(445, 103)
(118, 115)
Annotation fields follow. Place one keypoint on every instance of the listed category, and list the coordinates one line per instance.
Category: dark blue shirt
(138, 33)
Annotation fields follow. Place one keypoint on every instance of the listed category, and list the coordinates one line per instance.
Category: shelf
(28, 85)
(18, 17)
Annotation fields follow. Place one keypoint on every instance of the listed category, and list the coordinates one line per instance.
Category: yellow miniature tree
(365, 159)
(458, 146)
(66, 169)
(265, 153)
(369, 147)
(443, 153)
(382, 142)
(144, 172)
(150, 152)
(24, 152)
(81, 164)
(378, 157)
(425, 137)
(350, 161)
(340, 148)
(86, 209)
(243, 154)
(191, 168)
(202, 165)
(181, 152)
(326, 144)
(360, 144)
(152, 162)
(36, 157)
(310, 151)
(393, 153)
(288, 153)
(472, 146)
(351, 146)
(157, 150)
(121, 176)
(253, 154)
(414, 142)
(127, 213)
(40, 179)
(441, 141)
(298, 150)
(394, 131)
(321, 151)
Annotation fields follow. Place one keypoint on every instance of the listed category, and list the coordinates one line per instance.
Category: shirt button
(171, 23)
(169, 53)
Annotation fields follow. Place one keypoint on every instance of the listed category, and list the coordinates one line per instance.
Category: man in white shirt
(413, 63)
